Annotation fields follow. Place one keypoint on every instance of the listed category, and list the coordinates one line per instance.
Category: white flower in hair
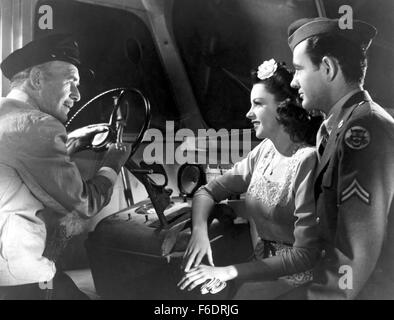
(267, 69)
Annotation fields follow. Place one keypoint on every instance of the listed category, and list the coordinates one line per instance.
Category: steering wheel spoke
(117, 122)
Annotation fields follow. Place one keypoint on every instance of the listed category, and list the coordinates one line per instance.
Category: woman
(277, 177)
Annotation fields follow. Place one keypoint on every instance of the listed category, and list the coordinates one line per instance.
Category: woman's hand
(202, 273)
(198, 247)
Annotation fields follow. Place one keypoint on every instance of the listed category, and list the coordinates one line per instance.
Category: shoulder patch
(357, 138)
(355, 189)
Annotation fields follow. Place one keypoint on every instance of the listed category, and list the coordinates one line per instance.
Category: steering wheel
(114, 128)
(159, 195)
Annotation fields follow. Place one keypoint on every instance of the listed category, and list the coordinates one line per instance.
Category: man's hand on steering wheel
(81, 138)
(90, 137)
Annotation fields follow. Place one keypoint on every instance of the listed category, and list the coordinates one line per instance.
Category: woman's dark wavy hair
(300, 124)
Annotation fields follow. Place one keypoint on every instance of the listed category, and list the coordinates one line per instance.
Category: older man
(354, 187)
(41, 189)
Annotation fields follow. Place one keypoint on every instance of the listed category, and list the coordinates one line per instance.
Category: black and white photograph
(198, 154)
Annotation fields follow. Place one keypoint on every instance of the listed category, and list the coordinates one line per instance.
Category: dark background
(217, 39)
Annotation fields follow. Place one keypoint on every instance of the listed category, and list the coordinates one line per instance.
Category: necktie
(322, 138)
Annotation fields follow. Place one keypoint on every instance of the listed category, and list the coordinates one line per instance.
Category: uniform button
(323, 253)
(317, 220)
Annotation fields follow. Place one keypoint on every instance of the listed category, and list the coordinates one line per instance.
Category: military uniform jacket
(354, 190)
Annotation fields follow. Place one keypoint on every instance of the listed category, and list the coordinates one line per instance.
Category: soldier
(354, 185)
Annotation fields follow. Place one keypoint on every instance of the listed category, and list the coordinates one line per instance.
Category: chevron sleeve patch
(355, 189)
